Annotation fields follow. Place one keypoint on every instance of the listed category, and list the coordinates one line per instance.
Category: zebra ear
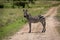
(23, 10)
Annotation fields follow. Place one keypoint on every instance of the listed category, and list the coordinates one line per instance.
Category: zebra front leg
(29, 27)
(44, 25)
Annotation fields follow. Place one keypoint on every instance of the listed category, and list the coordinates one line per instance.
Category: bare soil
(36, 34)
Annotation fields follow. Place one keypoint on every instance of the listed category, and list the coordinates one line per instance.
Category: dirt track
(50, 34)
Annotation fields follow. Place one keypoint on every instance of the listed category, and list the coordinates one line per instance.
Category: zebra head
(25, 12)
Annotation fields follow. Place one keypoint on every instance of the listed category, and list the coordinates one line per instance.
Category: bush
(8, 5)
(1, 6)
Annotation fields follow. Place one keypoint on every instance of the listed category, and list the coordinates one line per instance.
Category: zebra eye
(23, 9)
(24, 16)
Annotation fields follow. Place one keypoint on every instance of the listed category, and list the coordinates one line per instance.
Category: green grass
(11, 29)
(13, 20)
(37, 4)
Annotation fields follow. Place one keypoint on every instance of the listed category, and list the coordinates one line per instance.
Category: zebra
(34, 19)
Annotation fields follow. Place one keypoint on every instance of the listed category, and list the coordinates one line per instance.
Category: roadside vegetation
(12, 20)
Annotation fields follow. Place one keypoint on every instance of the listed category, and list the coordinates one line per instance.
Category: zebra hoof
(29, 31)
(43, 31)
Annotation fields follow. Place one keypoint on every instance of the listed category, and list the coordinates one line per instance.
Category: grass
(58, 17)
(37, 4)
(15, 22)
(10, 29)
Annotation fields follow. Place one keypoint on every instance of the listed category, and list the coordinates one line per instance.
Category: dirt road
(50, 34)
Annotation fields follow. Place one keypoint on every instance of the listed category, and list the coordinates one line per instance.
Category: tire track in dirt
(50, 34)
